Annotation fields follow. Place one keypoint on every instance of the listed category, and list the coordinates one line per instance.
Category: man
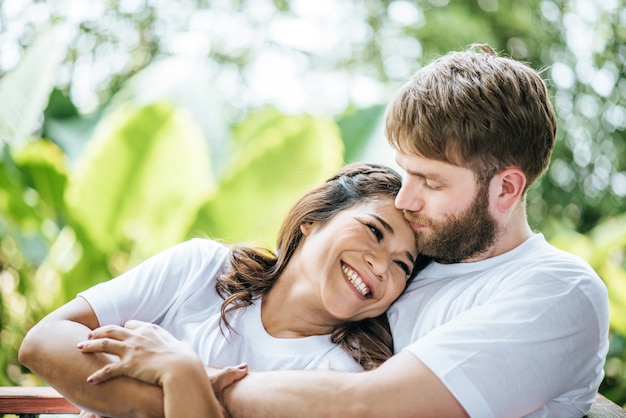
(500, 324)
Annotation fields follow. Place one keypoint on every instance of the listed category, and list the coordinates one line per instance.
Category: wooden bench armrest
(604, 408)
(22, 400)
(33, 400)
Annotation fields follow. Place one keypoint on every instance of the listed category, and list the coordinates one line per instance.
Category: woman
(344, 254)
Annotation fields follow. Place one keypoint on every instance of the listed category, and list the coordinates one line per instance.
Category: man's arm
(402, 387)
(49, 350)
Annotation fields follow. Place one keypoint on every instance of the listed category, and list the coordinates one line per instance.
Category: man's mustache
(417, 218)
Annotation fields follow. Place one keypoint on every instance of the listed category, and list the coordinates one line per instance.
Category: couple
(499, 324)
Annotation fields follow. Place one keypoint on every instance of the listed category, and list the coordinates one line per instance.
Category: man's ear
(509, 187)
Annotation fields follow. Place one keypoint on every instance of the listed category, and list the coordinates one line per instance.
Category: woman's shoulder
(203, 248)
(207, 244)
(193, 256)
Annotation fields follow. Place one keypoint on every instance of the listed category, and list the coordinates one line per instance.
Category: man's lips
(415, 222)
(415, 226)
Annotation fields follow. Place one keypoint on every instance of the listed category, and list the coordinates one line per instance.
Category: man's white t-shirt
(521, 334)
(176, 290)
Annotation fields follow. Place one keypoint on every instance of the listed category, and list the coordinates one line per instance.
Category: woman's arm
(149, 353)
(49, 350)
(402, 387)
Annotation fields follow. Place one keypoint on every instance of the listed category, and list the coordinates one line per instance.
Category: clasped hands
(149, 353)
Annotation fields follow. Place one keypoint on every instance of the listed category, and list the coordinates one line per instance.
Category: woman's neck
(292, 309)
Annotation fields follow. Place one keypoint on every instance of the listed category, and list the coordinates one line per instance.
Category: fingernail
(90, 379)
(243, 366)
(80, 345)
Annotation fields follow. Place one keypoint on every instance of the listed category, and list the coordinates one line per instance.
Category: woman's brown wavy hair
(253, 270)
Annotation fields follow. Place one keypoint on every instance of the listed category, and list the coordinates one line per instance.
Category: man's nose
(408, 197)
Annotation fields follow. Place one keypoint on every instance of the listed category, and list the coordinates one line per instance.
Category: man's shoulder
(535, 266)
(539, 256)
(544, 258)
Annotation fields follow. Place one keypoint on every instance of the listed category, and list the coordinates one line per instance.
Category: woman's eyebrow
(384, 223)
(388, 227)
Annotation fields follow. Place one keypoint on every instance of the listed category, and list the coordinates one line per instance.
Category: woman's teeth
(355, 280)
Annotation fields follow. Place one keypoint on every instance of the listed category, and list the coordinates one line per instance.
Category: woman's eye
(376, 231)
(405, 268)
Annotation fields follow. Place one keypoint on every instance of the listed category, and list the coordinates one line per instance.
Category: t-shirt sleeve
(523, 349)
(147, 291)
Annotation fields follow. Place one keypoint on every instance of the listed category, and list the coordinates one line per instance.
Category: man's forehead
(417, 165)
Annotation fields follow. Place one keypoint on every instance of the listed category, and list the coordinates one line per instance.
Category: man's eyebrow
(426, 175)
(388, 228)
(431, 175)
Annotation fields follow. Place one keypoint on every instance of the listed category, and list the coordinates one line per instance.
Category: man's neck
(511, 235)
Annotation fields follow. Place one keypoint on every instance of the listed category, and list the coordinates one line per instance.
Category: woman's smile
(356, 281)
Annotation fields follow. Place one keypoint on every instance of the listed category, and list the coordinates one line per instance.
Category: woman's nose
(378, 262)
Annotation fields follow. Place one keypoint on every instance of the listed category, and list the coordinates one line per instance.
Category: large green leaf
(608, 237)
(615, 278)
(74, 263)
(24, 91)
(277, 159)
(140, 180)
(13, 207)
(609, 244)
(65, 126)
(190, 83)
(360, 127)
(603, 247)
(43, 164)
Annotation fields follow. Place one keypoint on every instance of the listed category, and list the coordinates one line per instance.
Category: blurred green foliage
(142, 183)
(163, 151)
(603, 247)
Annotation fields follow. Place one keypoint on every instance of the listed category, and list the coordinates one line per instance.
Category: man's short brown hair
(476, 110)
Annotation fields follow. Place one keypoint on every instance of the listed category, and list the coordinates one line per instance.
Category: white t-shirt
(176, 290)
(521, 334)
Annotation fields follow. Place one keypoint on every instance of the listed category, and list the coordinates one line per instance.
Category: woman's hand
(149, 353)
(221, 378)
(146, 352)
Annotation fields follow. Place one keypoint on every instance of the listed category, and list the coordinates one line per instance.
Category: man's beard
(461, 236)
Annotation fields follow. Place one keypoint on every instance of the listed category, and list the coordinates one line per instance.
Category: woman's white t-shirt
(176, 290)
